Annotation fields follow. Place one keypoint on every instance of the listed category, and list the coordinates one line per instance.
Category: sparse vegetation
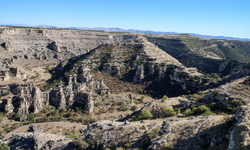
(235, 104)
(145, 114)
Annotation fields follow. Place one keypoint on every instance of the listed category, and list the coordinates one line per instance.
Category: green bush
(97, 104)
(145, 114)
(145, 143)
(56, 112)
(212, 105)
(142, 99)
(81, 145)
(201, 109)
(63, 110)
(177, 110)
(4, 146)
(31, 117)
(134, 118)
(133, 108)
(37, 114)
(69, 115)
(164, 98)
(45, 119)
(236, 103)
(16, 116)
(208, 113)
(169, 112)
(213, 75)
(73, 136)
(45, 110)
(187, 112)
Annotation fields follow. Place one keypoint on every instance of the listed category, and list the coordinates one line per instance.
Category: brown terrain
(76, 89)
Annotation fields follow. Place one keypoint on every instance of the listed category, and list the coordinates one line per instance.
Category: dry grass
(117, 86)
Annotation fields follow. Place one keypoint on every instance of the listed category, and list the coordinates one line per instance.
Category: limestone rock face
(6, 104)
(8, 46)
(99, 87)
(55, 46)
(162, 71)
(29, 98)
(85, 100)
(35, 138)
(84, 75)
(139, 75)
(111, 69)
(4, 75)
(239, 135)
(57, 98)
(17, 73)
(151, 69)
(78, 94)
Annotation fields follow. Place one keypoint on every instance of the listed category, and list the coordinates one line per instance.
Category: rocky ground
(73, 89)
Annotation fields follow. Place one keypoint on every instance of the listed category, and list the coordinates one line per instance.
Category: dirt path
(58, 128)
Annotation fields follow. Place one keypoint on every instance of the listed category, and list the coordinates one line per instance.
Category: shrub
(16, 116)
(56, 112)
(63, 110)
(212, 105)
(4, 146)
(31, 117)
(119, 148)
(164, 98)
(134, 118)
(177, 110)
(45, 119)
(133, 108)
(45, 110)
(168, 112)
(187, 112)
(145, 114)
(97, 104)
(73, 136)
(145, 143)
(236, 103)
(81, 145)
(213, 75)
(69, 115)
(37, 114)
(201, 109)
(142, 99)
(208, 113)
(154, 133)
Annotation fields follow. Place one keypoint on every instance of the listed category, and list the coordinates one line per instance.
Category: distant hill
(132, 31)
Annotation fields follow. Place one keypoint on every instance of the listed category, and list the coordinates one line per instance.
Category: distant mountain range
(133, 31)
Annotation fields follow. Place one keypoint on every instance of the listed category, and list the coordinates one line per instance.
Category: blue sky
(207, 17)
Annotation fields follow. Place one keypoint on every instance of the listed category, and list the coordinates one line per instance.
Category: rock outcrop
(4, 75)
(55, 46)
(8, 46)
(23, 98)
(139, 75)
(239, 135)
(35, 138)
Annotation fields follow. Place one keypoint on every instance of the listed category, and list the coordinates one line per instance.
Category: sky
(207, 17)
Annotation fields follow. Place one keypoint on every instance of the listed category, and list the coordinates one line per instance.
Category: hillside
(76, 89)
